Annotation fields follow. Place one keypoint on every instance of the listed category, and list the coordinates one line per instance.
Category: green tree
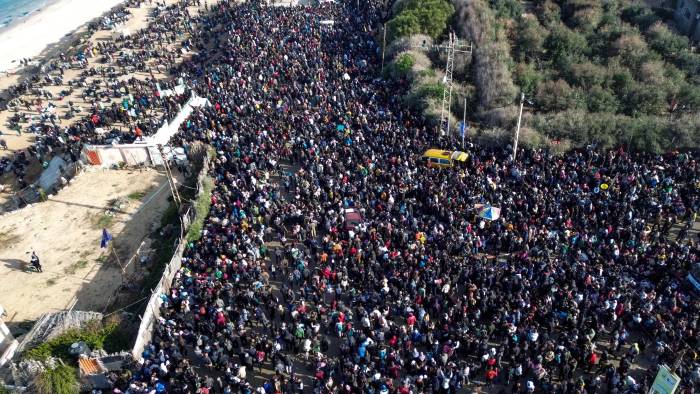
(527, 78)
(689, 97)
(404, 24)
(666, 42)
(434, 17)
(689, 62)
(492, 76)
(425, 16)
(530, 39)
(565, 46)
(640, 16)
(632, 50)
(641, 100)
(507, 9)
(583, 15)
(600, 99)
(549, 13)
(621, 80)
(586, 74)
(555, 96)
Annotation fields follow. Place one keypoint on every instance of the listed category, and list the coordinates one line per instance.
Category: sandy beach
(29, 37)
(139, 18)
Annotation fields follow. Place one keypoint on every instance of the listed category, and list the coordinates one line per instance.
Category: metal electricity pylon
(452, 47)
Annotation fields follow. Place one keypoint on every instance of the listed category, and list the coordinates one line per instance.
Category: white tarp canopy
(165, 133)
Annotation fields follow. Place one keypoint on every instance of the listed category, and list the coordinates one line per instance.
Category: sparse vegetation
(51, 282)
(75, 267)
(103, 220)
(95, 334)
(137, 195)
(63, 379)
(202, 206)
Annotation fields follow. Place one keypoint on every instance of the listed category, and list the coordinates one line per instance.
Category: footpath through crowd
(577, 288)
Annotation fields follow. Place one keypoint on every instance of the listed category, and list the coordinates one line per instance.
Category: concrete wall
(8, 343)
(687, 17)
(150, 316)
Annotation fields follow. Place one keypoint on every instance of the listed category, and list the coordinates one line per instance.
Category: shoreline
(54, 22)
(18, 15)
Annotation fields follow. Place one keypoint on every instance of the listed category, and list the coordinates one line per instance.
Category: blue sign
(462, 128)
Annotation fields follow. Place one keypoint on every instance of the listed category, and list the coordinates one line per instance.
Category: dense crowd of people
(578, 288)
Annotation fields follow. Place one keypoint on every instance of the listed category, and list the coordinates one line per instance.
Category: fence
(152, 313)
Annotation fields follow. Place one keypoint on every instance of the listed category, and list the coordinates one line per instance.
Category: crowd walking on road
(577, 288)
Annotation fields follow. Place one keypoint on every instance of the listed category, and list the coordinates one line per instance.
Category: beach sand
(66, 231)
(28, 38)
(140, 19)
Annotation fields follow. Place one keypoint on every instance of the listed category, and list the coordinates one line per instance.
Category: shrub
(431, 91)
(96, 335)
(531, 138)
(62, 379)
(527, 78)
(405, 44)
(401, 66)
(507, 9)
(647, 133)
(420, 16)
(565, 45)
(202, 206)
(666, 42)
(602, 100)
(404, 24)
(530, 39)
(554, 96)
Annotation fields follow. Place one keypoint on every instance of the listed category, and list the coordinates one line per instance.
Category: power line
(452, 47)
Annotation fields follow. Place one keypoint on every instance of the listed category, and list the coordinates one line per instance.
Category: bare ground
(66, 231)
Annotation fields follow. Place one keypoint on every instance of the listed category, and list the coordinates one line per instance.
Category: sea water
(13, 11)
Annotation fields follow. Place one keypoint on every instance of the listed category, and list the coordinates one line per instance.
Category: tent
(490, 213)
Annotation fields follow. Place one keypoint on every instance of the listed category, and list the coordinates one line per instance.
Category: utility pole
(171, 180)
(452, 47)
(464, 121)
(383, 46)
(447, 90)
(517, 130)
